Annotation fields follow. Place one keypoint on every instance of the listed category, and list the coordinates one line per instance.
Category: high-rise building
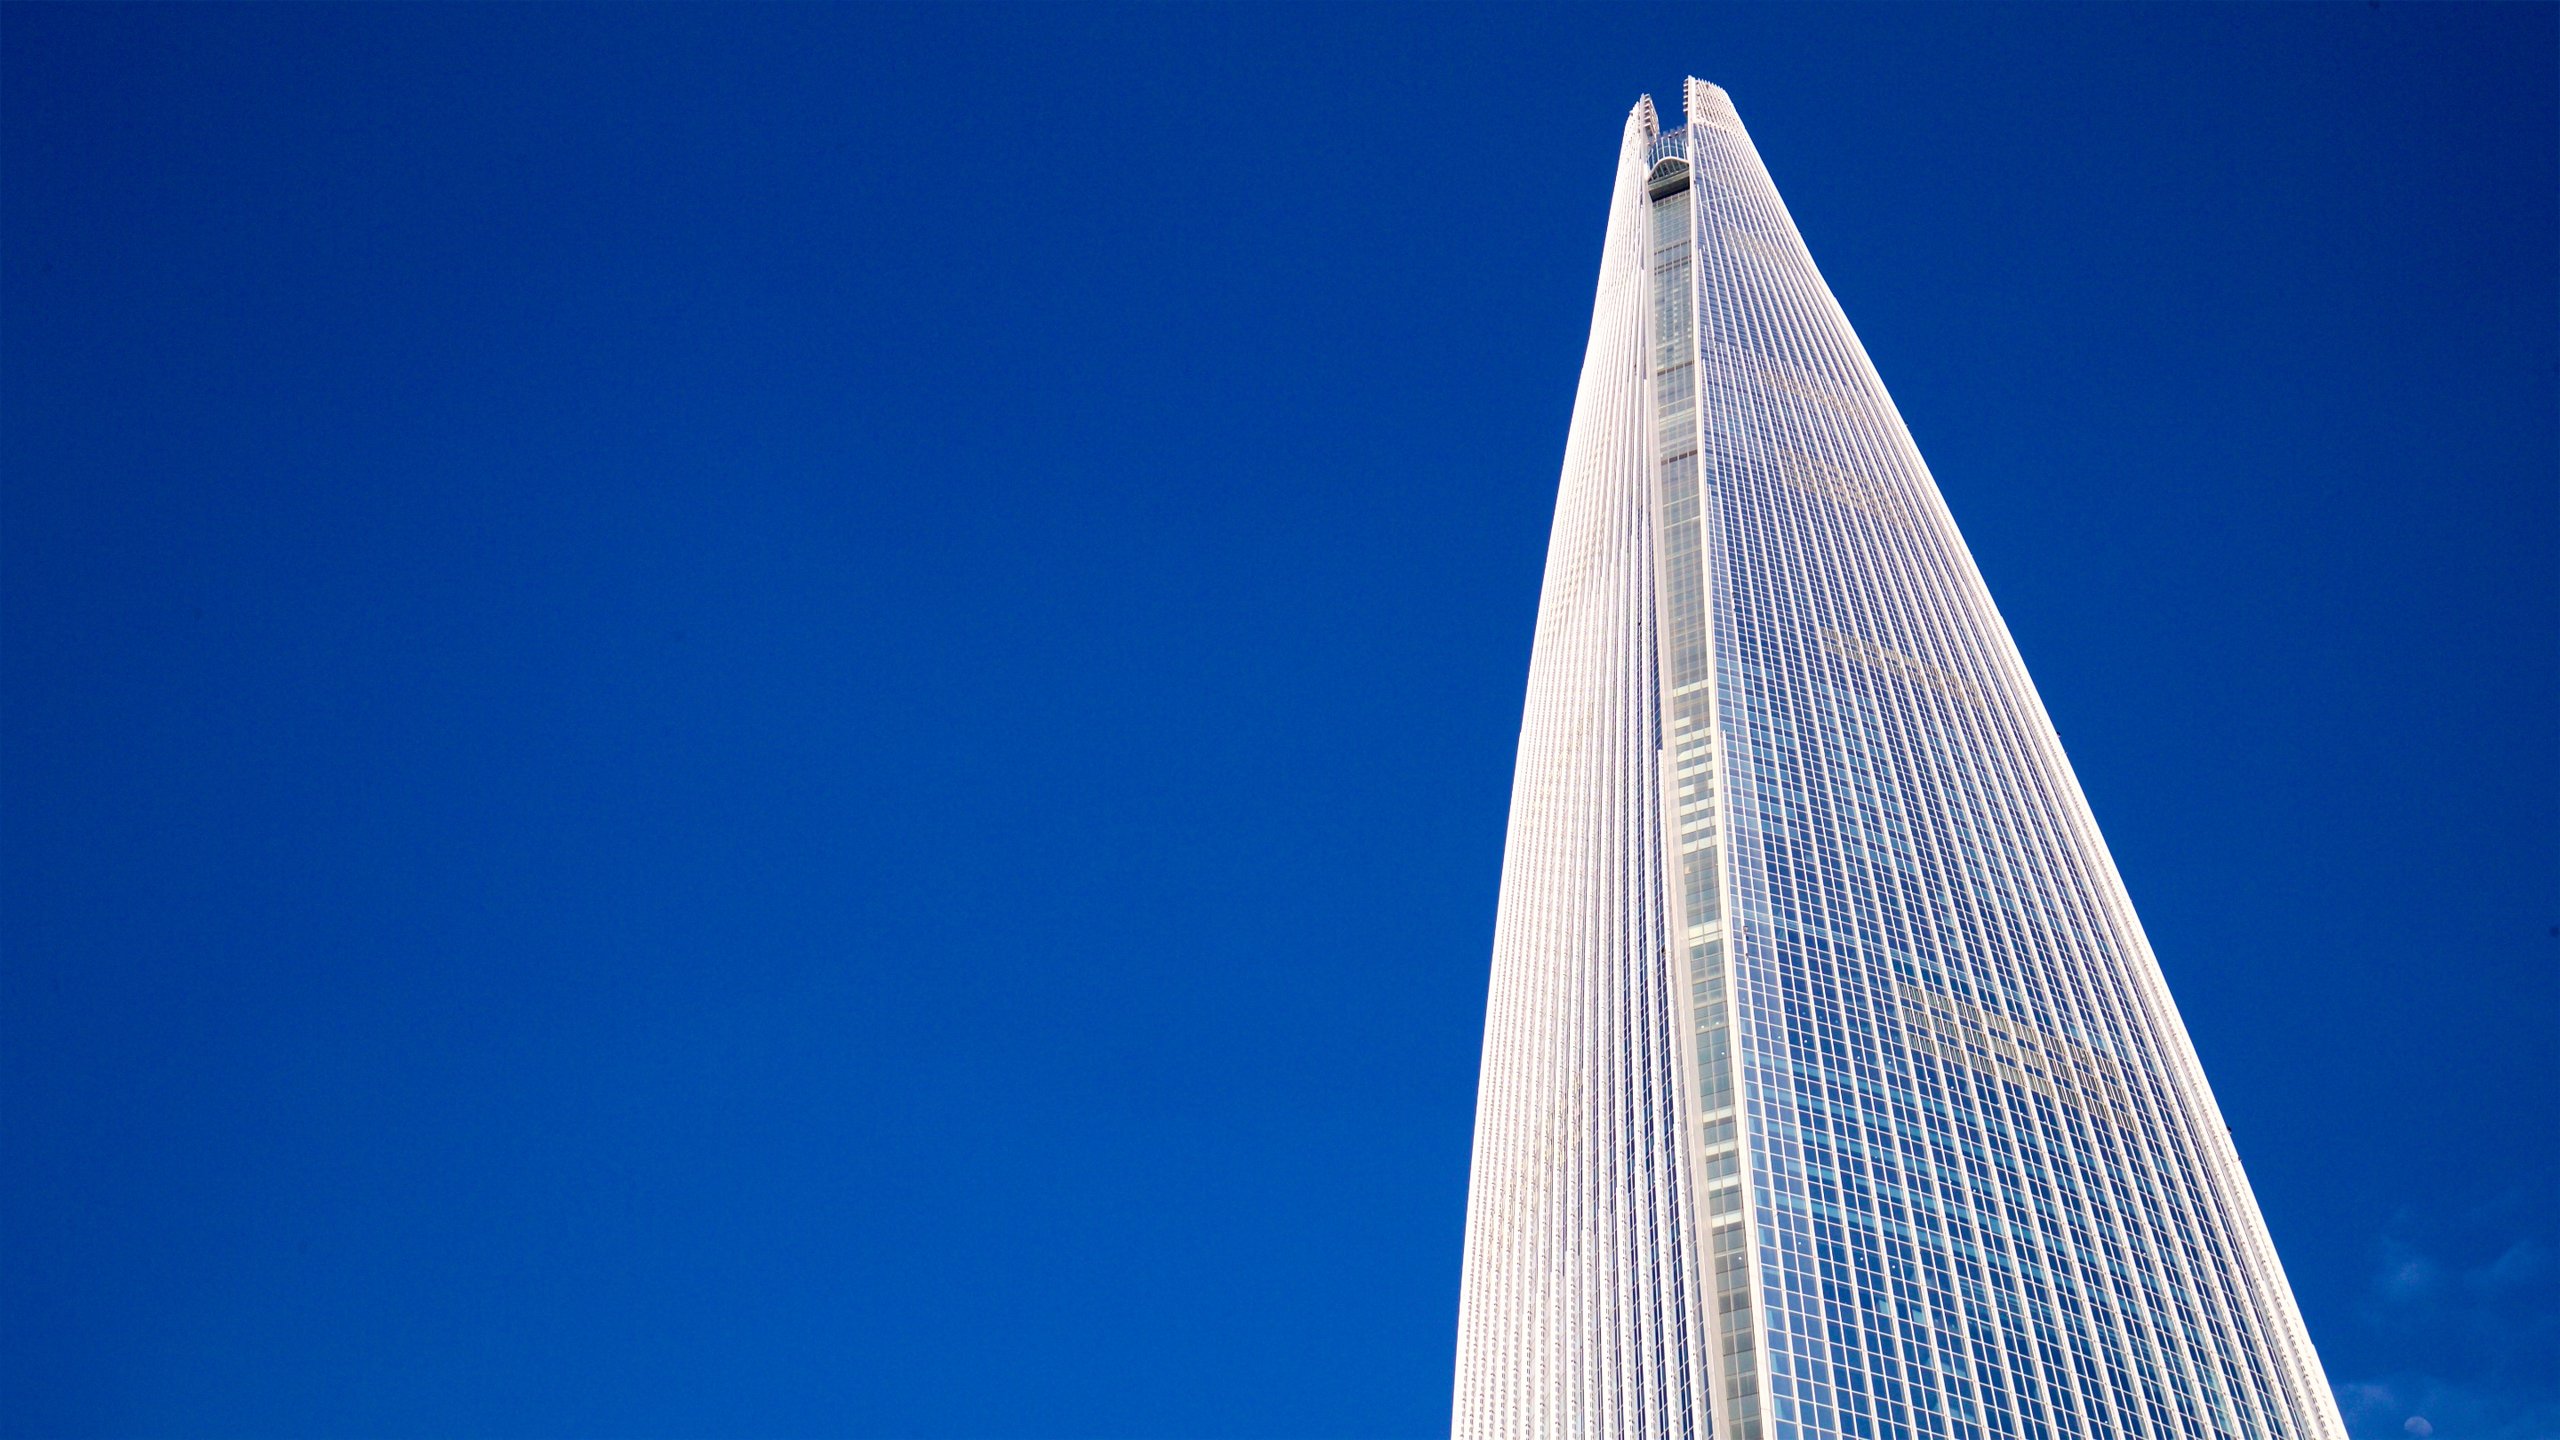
(1830, 1087)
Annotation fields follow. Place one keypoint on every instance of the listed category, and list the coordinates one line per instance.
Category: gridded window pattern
(1830, 1087)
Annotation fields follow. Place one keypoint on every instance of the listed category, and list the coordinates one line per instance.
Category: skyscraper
(1830, 1087)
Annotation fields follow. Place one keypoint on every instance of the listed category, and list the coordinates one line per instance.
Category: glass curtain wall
(1830, 1086)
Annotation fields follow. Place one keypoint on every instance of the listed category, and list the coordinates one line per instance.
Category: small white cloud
(2409, 1277)
(2516, 1268)
(2365, 1400)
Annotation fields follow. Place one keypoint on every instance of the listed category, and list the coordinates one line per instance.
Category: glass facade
(1830, 1087)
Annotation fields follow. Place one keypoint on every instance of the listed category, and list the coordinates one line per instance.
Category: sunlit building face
(1830, 1087)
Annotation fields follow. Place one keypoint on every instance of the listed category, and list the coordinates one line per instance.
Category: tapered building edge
(1589, 1294)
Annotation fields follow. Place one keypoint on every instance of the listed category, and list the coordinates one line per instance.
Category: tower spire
(1830, 1086)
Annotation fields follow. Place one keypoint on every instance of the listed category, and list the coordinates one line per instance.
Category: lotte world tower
(1830, 1087)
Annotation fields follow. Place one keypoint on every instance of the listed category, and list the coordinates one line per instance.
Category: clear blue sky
(797, 720)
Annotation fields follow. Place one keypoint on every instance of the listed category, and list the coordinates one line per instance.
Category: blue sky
(797, 721)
